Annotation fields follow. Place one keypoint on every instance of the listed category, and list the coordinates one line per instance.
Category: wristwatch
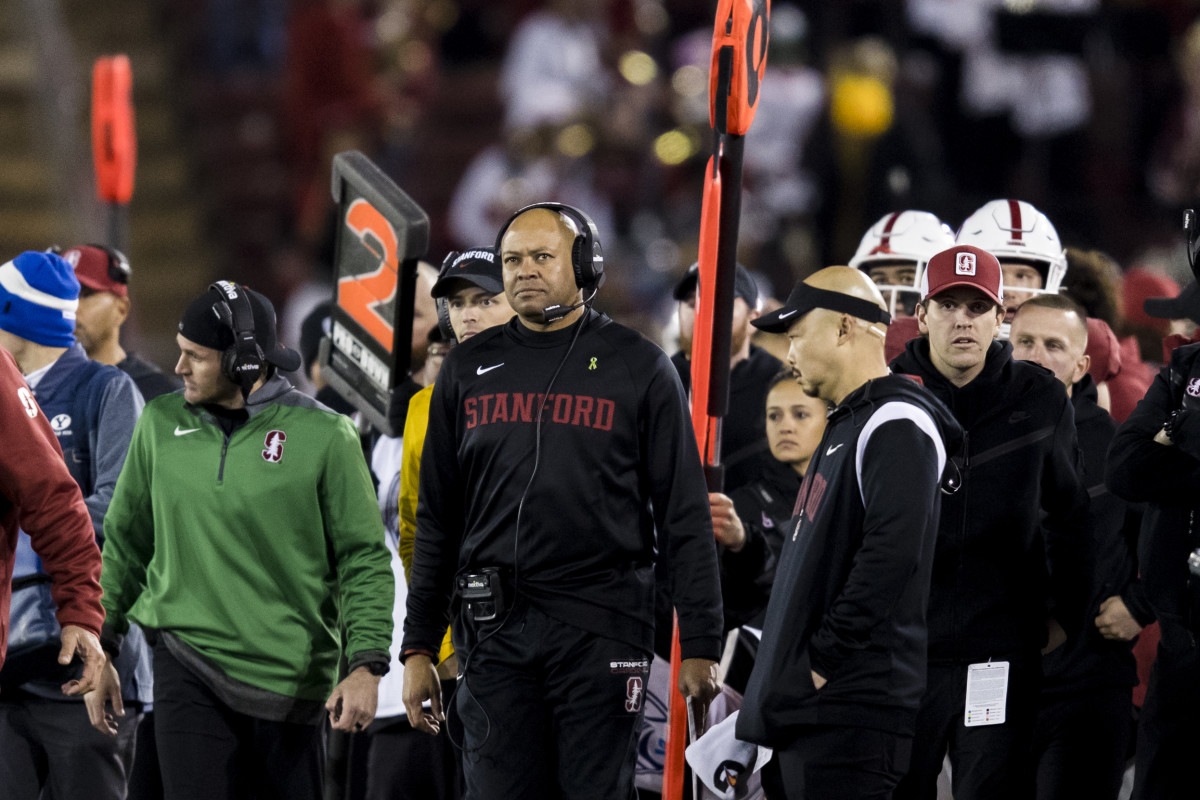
(376, 668)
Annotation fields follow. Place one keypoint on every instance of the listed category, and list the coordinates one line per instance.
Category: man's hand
(1161, 438)
(420, 684)
(1115, 622)
(727, 526)
(351, 707)
(81, 642)
(1055, 636)
(698, 679)
(107, 691)
(818, 681)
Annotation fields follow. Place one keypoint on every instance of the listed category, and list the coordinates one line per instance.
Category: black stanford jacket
(576, 508)
(853, 578)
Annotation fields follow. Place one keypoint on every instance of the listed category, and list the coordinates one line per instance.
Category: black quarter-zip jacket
(1088, 660)
(618, 483)
(1012, 547)
(852, 582)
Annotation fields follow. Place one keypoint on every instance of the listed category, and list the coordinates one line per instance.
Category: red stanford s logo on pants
(274, 446)
(633, 695)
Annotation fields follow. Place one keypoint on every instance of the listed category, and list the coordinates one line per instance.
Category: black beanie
(202, 325)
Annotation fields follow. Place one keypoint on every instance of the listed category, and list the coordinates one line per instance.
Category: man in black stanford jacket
(558, 464)
(840, 672)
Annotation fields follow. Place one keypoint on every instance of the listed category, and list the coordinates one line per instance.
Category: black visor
(805, 298)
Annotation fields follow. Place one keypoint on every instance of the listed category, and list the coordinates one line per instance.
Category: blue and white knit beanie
(38, 298)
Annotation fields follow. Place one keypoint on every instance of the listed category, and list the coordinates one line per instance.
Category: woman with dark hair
(749, 524)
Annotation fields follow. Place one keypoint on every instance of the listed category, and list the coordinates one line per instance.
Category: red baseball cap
(99, 269)
(963, 265)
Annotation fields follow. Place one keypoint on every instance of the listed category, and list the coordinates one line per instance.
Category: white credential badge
(987, 694)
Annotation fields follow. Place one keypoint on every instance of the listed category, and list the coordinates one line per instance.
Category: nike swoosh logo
(788, 314)
(184, 431)
(482, 369)
(830, 451)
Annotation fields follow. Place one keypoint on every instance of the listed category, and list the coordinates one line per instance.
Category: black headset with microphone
(587, 256)
(118, 264)
(243, 361)
(442, 304)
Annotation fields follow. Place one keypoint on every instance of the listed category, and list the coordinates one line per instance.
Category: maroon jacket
(38, 495)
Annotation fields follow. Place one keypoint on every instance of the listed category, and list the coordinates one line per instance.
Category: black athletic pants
(1081, 742)
(49, 750)
(549, 711)
(406, 764)
(1169, 727)
(988, 762)
(208, 751)
(835, 762)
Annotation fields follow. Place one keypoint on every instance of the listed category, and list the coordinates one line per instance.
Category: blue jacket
(92, 409)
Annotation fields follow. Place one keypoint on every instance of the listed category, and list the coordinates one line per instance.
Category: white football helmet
(1015, 230)
(902, 238)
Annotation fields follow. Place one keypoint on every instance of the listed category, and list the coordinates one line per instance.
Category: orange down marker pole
(739, 59)
(114, 141)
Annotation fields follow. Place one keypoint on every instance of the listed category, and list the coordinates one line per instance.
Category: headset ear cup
(229, 362)
(582, 263)
(443, 318)
(245, 368)
(596, 269)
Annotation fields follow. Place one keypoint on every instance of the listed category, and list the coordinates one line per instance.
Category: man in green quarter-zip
(243, 535)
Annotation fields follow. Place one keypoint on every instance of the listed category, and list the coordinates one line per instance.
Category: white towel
(723, 763)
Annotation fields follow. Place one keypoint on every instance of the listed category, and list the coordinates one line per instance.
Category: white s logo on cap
(964, 264)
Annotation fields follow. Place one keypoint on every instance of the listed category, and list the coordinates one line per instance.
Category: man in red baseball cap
(1010, 562)
(103, 274)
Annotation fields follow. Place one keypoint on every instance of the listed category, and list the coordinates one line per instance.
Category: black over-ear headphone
(243, 361)
(118, 265)
(587, 256)
(443, 303)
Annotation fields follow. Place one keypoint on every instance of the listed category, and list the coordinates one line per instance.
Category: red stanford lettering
(579, 410)
(812, 489)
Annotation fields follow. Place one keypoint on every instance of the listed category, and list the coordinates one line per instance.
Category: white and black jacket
(852, 583)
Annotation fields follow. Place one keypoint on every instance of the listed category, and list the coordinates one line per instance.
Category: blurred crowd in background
(1089, 109)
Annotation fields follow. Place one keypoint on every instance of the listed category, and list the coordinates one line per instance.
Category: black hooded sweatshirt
(1012, 547)
(852, 582)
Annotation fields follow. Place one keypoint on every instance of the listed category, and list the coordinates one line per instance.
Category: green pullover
(247, 547)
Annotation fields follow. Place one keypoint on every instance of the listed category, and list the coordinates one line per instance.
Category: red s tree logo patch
(274, 446)
(634, 690)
